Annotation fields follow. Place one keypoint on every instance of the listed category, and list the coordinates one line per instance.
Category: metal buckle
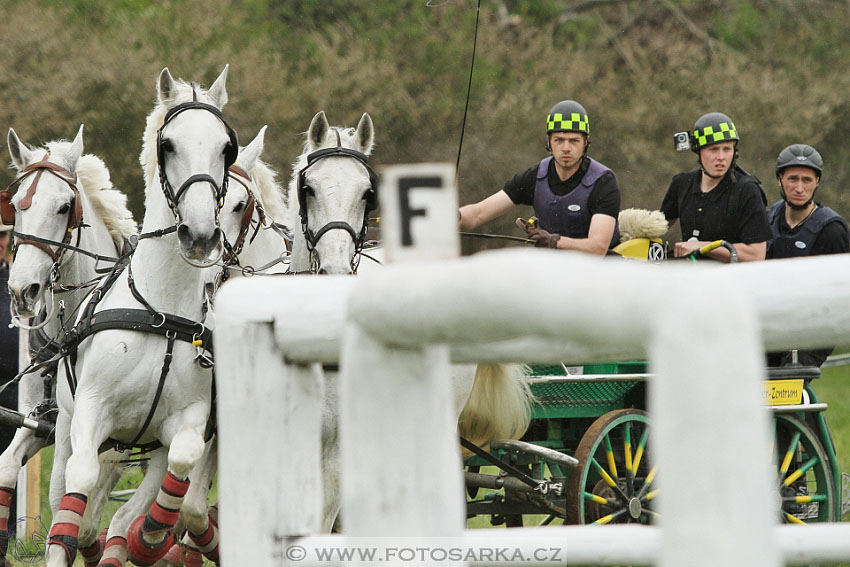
(161, 323)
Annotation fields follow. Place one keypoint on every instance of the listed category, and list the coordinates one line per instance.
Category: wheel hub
(635, 508)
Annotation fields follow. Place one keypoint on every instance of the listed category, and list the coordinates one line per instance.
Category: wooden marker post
(397, 424)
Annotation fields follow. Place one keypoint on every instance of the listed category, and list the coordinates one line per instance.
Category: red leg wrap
(207, 542)
(141, 552)
(115, 552)
(92, 553)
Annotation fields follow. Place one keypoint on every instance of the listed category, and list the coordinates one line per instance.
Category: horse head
(243, 198)
(45, 206)
(194, 149)
(336, 190)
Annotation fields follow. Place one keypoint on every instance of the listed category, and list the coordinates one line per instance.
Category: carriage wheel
(805, 488)
(614, 480)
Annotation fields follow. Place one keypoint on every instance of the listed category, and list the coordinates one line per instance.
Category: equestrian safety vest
(798, 243)
(568, 215)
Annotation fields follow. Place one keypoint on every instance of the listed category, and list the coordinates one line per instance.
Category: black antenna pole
(468, 91)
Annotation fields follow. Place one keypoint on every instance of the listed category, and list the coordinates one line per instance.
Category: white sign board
(419, 212)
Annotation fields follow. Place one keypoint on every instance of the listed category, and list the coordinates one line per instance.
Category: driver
(803, 227)
(718, 201)
(576, 199)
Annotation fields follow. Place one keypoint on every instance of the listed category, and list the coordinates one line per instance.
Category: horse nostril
(30, 293)
(183, 232)
(322, 272)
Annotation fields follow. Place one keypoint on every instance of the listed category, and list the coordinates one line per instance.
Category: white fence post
(272, 412)
(401, 462)
(710, 433)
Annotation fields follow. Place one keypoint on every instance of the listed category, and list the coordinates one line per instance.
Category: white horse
(64, 198)
(139, 387)
(254, 205)
(335, 193)
(254, 200)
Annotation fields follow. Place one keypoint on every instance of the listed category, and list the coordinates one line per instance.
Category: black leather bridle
(371, 198)
(231, 151)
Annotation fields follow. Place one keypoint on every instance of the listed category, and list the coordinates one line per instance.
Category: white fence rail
(703, 329)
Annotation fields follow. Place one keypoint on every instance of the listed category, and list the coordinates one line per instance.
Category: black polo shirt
(718, 214)
(604, 197)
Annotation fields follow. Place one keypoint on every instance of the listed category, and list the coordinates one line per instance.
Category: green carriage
(587, 455)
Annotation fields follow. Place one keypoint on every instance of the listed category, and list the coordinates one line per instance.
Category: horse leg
(332, 495)
(200, 527)
(151, 536)
(81, 478)
(90, 543)
(115, 550)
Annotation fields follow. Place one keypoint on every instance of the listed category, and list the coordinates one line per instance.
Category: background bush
(644, 69)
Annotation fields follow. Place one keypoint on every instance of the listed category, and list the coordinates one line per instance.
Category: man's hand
(685, 248)
(543, 239)
(540, 237)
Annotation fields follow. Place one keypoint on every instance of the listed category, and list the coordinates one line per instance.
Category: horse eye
(310, 191)
(239, 206)
(167, 145)
(64, 209)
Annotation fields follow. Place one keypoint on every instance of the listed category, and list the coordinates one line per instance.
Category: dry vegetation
(643, 68)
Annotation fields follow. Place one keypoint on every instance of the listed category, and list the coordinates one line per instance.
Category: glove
(543, 239)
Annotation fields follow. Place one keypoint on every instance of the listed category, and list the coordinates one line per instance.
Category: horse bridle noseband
(371, 198)
(232, 150)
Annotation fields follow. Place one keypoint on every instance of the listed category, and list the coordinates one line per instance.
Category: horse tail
(499, 405)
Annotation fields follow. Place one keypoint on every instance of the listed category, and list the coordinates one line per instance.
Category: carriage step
(510, 445)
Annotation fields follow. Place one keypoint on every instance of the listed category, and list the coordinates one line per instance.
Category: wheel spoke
(610, 517)
(800, 472)
(609, 453)
(804, 499)
(607, 478)
(648, 482)
(598, 499)
(640, 449)
(789, 454)
(793, 519)
(627, 448)
(650, 496)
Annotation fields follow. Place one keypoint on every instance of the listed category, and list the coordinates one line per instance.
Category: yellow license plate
(782, 392)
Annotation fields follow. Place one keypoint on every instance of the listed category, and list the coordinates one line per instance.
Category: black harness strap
(141, 320)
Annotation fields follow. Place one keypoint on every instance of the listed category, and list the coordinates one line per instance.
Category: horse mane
(155, 121)
(271, 193)
(109, 203)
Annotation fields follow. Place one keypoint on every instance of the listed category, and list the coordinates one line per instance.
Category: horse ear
(218, 91)
(74, 152)
(365, 134)
(21, 154)
(318, 130)
(165, 87)
(249, 155)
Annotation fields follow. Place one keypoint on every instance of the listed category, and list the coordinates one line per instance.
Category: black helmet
(801, 155)
(567, 116)
(713, 128)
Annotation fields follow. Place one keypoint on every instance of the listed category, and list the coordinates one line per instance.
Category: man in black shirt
(801, 226)
(718, 201)
(575, 198)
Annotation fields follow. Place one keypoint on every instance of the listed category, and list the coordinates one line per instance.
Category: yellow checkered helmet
(567, 116)
(713, 128)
